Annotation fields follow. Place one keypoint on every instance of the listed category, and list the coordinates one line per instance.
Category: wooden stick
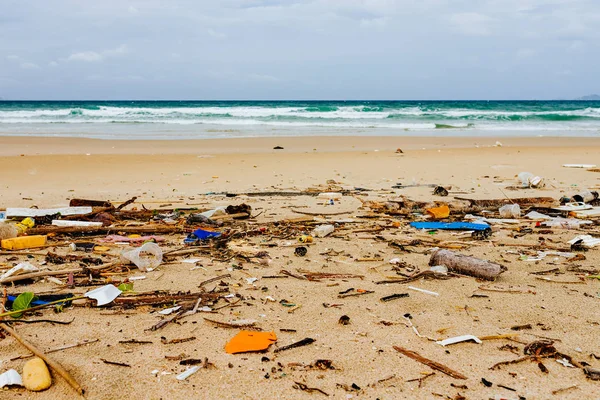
(430, 363)
(56, 367)
(60, 272)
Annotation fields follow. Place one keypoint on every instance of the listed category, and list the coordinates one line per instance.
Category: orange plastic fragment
(247, 341)
(439, 212)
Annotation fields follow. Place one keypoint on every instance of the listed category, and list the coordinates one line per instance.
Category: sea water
(225, 119)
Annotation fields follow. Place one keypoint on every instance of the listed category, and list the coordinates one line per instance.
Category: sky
(299, 49)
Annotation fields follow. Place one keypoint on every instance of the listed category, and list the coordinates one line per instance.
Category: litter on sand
(249, 341)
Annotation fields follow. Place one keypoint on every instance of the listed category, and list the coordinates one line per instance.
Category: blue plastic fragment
(200, 234)
(12, 298)
(459, 226)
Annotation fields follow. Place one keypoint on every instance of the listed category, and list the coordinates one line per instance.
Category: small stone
(36, 376)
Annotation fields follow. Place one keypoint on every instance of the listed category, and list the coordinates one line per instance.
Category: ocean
(233, 119)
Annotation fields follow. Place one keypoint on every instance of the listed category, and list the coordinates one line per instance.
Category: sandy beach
(48, 172)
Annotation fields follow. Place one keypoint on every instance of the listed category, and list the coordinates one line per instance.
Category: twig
(54, 350)
(49, 321)
(341, 296)
(518, 360)
(321, 213)
(430, 363)
(216, 278)
(421, 379)
(61, 272)
(56, 367)
(285, 272)
(249, 326)
(115, 363)
(557, 391)
(305, 388)
(303, 342)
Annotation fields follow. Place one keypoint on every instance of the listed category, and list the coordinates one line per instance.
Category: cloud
(216, 34)
(92, 56)
(263, 78)
(86, 56)
(29, 65)
(318, 48)
(471, 23)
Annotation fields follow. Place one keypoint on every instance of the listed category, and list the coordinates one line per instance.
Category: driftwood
(70, 230)
(89, 203)
(523, 201)
(56, 367)
(466, 265)
(430, 363)
(60, 272)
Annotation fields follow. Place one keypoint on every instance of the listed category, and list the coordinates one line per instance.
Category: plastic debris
(510, 211)
(60, 222)
(104, 295)
(450, 226)
(586, 241)
(440, 212)
(323, 230)
(579, 165)
(199, 235)
(440, 269)
(146, 257)
(24, 242)
(459, 339)
(534, 215)
(423, 291)
(529, 180)
(249, 341)
(188, 372)
(170, 310)
(10, 378)
(21, 268)
(39, 212)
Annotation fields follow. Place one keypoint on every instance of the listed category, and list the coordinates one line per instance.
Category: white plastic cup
(510, 211)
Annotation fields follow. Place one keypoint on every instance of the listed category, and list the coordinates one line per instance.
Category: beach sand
(48, 172)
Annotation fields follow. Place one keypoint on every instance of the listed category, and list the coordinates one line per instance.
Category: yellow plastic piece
(23, 242)
(439, 212)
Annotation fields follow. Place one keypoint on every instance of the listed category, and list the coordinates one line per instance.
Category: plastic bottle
(323, 230)
(510, 211)
(585, 197)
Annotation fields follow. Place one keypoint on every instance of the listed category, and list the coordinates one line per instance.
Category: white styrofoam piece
(41, 212)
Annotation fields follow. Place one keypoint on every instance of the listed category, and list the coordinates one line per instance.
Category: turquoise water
(206, 119)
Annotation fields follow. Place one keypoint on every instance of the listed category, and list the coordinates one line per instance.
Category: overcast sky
(320, 49)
